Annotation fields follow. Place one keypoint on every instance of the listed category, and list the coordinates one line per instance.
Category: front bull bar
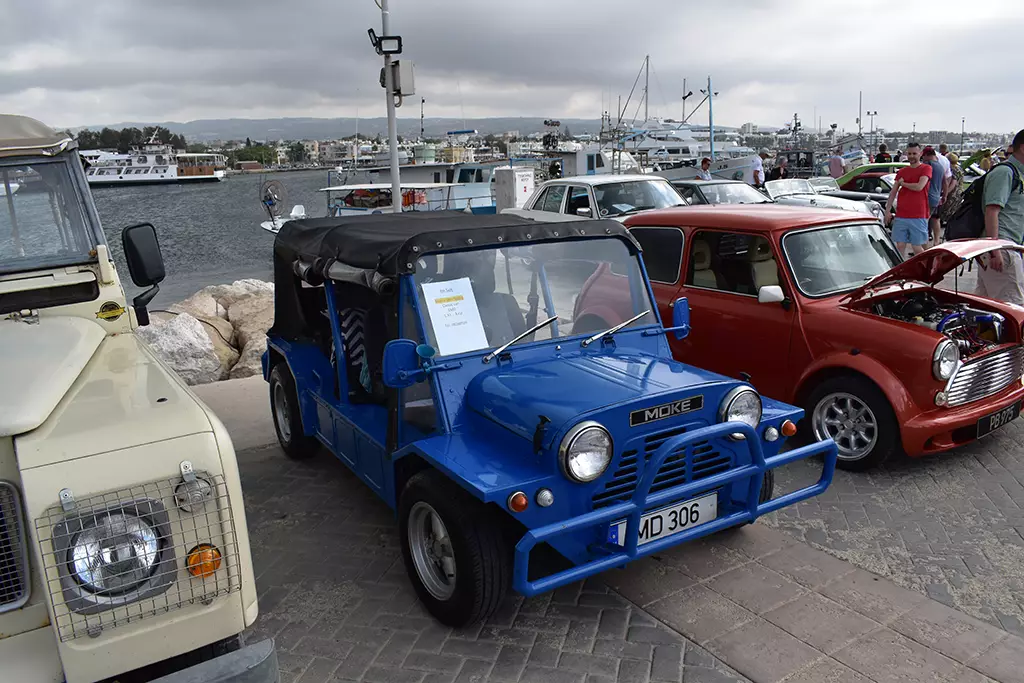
(642, 500)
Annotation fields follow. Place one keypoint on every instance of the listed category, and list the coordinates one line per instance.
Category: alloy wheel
(847, 420)
(431, 549)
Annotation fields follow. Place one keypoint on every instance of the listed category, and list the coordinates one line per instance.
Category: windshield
(823, 184)
(616, 199)
(476, 300)
(832, 260)
(732, 193)
(41, 218)
(783, 188)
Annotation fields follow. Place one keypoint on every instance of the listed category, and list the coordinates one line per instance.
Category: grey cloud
(216, 59)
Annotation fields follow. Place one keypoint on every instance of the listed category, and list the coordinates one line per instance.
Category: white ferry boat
(153, 163)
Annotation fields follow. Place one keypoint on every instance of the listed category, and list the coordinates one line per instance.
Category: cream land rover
(123, 547)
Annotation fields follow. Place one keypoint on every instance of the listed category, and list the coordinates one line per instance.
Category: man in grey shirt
(1001, 275)
(936, 193)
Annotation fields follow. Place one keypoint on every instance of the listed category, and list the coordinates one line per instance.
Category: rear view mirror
(402, 364)
(145, 265)
(770, 294)
(681, 317)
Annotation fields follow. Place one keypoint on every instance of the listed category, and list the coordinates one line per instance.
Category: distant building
(248, 166)
(748, 129)
(312, 148)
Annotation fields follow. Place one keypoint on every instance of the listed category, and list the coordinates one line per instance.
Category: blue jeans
(910, 230)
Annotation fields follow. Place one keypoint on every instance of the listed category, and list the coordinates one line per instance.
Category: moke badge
(666, 410)
(110, 311)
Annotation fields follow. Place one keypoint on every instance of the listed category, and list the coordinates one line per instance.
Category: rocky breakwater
(220, 332)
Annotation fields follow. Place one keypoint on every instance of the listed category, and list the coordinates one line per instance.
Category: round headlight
(742, 404)
(114, 553)
(945, 359)
(586, 452)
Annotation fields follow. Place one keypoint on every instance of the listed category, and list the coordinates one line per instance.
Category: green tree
(296, 153)
(197, 148)
(248, 143)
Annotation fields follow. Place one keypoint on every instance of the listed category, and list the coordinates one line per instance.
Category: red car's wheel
(855, 414)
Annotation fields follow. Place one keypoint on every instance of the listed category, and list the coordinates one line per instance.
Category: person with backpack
(1001, 275)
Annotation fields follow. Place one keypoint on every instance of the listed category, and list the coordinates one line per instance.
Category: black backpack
(969, 219)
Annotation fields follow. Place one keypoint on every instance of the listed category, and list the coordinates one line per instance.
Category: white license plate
(670, 520)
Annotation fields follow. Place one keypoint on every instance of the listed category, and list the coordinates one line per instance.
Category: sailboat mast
(711, 118)
(647, 85)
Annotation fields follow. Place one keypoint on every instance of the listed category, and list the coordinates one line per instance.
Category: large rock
(183, 344)
(249, 362)
(251, 317)
(221, 334)
(201, 305)
(227, 295)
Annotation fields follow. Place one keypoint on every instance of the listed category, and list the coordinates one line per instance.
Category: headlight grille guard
(166, 586)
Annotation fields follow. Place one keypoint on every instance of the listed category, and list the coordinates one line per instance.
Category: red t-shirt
(911, 204)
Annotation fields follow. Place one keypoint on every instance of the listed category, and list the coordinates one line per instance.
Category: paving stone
(646, 580)
(754, 540)
(667, 664)
(952, 633)
(1004, 661)
(590, 664)
(634, 671)
(807, 566)
(510, 663)
(703, 559)
(827, 670)
(763, 651)
(535, 674)
(699, 613)
(820, 622)
(885, 656)
(319, 670)
(472, 649)
(872, 596)
(755, 587)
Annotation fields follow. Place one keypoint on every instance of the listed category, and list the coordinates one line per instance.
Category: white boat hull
(14, 189)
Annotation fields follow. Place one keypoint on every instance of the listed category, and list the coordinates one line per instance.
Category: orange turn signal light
(203, 560)
(788, 428)
(518, 501)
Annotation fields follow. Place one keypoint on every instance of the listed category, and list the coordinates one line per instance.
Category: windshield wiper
(544, 323)
(612, 330)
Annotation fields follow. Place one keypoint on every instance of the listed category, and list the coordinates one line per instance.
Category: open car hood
(931, 265)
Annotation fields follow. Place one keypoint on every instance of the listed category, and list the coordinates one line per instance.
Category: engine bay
(971, 329)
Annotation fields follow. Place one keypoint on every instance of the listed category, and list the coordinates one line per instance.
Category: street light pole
(872, 114)
(963, 123)
(389, 87)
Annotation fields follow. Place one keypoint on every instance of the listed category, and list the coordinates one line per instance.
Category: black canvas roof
(389, 243)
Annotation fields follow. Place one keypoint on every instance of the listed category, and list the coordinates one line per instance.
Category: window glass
(617, 199)
(418, 409)
(579, 198)
(663, 252)
(600, 161)
(41, 217)
(836, 259)
(481, 299)
(732, 193)
(731, 262)
(552, 199)
(590, 162)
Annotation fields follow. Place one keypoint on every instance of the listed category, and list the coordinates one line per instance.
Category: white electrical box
(404, 76)
(513, 185)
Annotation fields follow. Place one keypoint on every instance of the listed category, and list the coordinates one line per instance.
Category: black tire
(482, 558)
(589, 323)
(767, 487)
(886, 431)
(294, 442)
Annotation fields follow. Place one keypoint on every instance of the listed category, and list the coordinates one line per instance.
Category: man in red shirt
(911, 223)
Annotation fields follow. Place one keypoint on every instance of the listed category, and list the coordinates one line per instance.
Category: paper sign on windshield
(454, 316)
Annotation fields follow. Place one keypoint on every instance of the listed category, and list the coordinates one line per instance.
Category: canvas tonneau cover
(388, 243)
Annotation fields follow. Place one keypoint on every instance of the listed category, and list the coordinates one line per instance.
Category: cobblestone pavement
(949, 526)
(334, 594)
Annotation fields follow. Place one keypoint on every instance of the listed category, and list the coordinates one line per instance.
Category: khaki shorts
(1005, 285)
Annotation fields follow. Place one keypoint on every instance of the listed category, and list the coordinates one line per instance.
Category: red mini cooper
(815, 308)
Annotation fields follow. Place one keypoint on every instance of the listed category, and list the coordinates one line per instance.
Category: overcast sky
(76, 62)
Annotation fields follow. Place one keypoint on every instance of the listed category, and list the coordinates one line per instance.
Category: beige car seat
(703, 276)
(763, 269)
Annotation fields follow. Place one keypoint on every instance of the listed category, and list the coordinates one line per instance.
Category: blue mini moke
(437, 355)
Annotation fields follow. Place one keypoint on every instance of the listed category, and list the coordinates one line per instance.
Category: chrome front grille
(144, 533)
(15, 582)
(985, 376)
(692, 463)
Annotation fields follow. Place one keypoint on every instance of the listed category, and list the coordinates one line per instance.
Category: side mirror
(583, 211)
(145, 265)
(402, 364)
(681, 317)
(770, 294)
